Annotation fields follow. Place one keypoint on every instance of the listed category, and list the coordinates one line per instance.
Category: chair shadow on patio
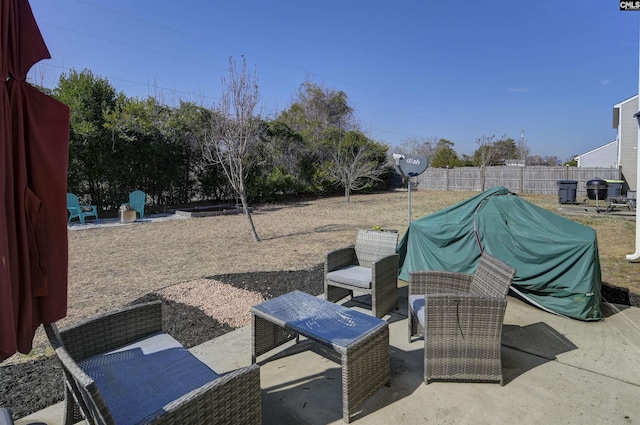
(526, 347)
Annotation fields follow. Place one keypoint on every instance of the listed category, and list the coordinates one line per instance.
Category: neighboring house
(605, 156)
(625, 122)
(514, 162)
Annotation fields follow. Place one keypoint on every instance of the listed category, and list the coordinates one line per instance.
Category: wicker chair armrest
(339, 259)
(83, 391)
(439, 282)
(234, 398)
(385, 269)
(112, 330)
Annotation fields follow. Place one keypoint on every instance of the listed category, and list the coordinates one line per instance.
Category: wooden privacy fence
(538, 180)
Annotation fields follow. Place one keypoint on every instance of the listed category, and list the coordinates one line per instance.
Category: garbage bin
(567, 191)
(615, 188)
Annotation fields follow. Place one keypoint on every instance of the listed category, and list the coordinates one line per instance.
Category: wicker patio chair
(370, 267)
(120, 368)
(460, 316)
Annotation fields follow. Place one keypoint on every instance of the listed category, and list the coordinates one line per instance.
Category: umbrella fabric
(34, 146)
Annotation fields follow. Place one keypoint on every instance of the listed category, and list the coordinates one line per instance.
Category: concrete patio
(557, 371)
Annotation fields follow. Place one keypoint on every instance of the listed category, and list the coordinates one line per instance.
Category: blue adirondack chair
(80, 211)
(137, 201)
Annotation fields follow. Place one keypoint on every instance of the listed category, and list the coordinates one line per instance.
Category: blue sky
(457, 70)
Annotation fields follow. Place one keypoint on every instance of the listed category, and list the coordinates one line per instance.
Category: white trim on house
(616, 114)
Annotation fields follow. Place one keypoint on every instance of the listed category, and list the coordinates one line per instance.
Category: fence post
(447, 178)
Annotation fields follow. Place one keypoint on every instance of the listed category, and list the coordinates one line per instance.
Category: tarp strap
(475, 218)
(477, 235)
(475, 224)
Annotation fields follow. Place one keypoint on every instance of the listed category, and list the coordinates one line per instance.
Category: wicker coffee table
(360, 339)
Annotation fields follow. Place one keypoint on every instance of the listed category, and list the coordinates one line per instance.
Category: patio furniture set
(126, 214)
(121, 368)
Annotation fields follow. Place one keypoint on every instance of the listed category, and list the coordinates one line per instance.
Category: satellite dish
(411, 165)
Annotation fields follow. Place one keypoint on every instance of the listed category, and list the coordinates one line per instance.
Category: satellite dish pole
(409, 198)
(398, 159)
(409, 166)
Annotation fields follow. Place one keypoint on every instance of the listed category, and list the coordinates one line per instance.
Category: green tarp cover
(556, 259)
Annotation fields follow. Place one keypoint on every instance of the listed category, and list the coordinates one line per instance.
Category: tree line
(119, 144)
(490, 151)
(187, 153)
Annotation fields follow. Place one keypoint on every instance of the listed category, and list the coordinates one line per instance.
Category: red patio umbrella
(34, 146)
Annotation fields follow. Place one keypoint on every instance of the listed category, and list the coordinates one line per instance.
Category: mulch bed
(617, 295)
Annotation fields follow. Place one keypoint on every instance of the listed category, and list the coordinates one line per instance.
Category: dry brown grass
(110, 267)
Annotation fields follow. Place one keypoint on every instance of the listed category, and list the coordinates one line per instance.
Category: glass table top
(312, 316)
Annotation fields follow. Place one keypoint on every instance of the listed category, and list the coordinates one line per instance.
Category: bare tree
(425, 146)
(235, 132)
(486, 153)
(354, 169)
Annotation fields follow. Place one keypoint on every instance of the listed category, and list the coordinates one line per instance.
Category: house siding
(628, 140)
(605, 157)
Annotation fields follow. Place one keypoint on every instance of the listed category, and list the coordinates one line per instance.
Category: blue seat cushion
(353, 275)
(5, 417)
(138, 379)
(416, 302)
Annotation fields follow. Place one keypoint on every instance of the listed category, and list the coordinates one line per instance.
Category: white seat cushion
(416, 303)
(357, 276)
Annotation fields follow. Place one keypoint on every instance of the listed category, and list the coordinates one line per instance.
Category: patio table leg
(266, 336)
(366, 366)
